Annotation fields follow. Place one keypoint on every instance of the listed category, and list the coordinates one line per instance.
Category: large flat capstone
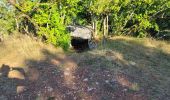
(80, 32)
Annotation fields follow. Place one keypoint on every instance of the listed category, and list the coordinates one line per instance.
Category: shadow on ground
(12, 85)
(125, 70)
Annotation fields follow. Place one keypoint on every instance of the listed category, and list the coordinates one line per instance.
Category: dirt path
(68, 78)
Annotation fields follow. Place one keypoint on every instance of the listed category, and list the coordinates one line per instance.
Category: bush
(137, 17)
(7, 21)
(50, 26)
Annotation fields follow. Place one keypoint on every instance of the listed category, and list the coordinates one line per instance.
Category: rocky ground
(70, 78)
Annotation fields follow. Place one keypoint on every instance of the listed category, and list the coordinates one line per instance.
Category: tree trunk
(93, 25)
(104, 27)
(104, 31)
(17, 24)
(95, 28)
(107, 25)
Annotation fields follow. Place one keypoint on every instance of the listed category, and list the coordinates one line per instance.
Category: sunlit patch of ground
(123, 69)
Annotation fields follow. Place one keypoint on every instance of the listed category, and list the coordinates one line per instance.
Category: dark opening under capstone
(79, 44)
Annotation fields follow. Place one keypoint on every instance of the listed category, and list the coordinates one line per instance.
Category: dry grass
(146, 60)
(16, 49)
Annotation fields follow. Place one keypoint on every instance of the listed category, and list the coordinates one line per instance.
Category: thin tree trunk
(17, 24)
(93, 25)
(107, 25)
(95, 28)
(104, 31)
(49, 16)
(104, 27)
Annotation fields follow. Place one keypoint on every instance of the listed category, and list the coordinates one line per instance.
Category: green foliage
(7, 21)
(49, 18)
(46, 17)
(68, 10)
(51, 26)
(25, 6)
(99, 6)
(137, 17)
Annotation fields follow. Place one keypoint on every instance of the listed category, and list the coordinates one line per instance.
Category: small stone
(68, 93)
(124, 90)
(106, 81)
(66, 73)
(74, 77)
(50, 89)
(89, 89)
(67, 69)
(39, 93)
(85, 80)
(132, 63)
(97, 83)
